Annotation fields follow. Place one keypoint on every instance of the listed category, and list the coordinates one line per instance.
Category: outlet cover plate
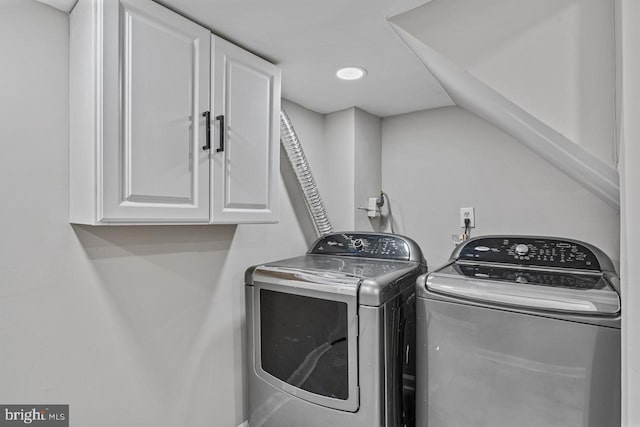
(467, 213)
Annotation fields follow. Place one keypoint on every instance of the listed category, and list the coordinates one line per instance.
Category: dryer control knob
(522, 249)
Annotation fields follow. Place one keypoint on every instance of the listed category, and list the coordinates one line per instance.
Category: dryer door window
(306, 344)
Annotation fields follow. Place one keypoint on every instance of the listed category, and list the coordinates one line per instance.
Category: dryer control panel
(364, 245)
(530, 251)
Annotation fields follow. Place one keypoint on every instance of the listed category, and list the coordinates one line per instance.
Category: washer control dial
(522, 249)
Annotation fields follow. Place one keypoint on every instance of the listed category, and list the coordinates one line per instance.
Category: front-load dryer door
(306, 331)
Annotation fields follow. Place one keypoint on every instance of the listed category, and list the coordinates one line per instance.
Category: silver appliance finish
(348, 308)
(519, 331)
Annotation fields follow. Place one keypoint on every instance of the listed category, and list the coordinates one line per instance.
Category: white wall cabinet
(142, 80)
(246, 92)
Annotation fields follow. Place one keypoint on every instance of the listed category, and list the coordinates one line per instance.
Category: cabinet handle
(222, 130)
(207, 127)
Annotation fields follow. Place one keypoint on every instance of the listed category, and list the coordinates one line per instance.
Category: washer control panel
(530, 251)
(363, 245)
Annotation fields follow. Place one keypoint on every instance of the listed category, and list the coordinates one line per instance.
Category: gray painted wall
(351, 163)
(367, 166)
(628, 14)
(337, 160)
(132, 326)
(436, 161)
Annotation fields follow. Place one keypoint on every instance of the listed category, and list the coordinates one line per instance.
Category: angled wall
(468, 92)
(553, 58)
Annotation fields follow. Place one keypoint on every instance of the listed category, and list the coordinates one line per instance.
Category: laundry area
(352, 213)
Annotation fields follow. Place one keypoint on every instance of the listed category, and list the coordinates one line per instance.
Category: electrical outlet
(467, 213)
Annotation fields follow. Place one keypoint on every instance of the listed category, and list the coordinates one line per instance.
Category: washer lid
(537, 289)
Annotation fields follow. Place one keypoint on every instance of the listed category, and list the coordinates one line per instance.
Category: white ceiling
(310, 39)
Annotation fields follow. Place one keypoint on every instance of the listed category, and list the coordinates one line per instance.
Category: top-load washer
(331, 334)
(519, 331)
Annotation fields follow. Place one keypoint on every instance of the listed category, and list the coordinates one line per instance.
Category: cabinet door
(155, 169)
(245, 172)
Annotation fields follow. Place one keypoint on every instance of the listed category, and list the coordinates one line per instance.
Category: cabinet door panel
(246, 174)
(157, 123)
(158, 172)
(247, 113)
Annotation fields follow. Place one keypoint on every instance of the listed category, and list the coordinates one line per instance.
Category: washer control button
(522, 249)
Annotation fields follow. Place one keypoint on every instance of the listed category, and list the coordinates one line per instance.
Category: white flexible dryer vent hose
(312, 199)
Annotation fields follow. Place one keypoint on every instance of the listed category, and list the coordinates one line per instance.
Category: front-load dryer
(519, 331)
(331, 334)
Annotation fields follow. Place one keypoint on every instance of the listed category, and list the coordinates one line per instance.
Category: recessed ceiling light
(351, 73)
